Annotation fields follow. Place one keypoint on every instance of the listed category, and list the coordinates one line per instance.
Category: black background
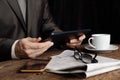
(102, 16)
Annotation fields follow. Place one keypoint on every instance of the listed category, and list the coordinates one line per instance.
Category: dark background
(101, 16)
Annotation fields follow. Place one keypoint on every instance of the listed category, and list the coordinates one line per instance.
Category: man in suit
(21, 26)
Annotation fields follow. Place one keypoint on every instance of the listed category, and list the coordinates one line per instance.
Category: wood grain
(9, 69)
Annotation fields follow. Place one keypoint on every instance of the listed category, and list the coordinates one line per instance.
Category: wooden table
(8, 70)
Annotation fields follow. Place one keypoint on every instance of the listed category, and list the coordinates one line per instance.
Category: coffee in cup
(99, 41)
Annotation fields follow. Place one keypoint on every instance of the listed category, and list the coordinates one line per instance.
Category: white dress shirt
(13, 50)
(22, 4)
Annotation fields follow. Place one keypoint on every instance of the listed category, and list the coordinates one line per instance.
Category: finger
(73, 40)
(71, 45)
(40, 45)
(74, 43)
(82, 37)
(33, 53)
(37, 45)
(34, 39)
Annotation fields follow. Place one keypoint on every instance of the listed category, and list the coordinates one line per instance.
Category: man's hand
(31, 47)
(74, 42)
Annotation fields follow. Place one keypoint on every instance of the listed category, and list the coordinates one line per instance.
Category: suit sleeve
(48, 19)
(5, 47)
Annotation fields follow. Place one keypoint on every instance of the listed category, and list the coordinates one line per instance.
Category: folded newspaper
(65, 63)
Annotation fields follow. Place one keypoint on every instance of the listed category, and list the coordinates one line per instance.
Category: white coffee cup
(99, 41)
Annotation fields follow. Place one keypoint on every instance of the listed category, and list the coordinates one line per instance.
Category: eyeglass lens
(84, 57)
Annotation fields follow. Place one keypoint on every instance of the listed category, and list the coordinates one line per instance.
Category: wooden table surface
(9, 70)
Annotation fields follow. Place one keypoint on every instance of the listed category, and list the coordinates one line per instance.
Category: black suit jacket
(13, 27)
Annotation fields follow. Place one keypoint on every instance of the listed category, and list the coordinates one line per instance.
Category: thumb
(82, 37)
(34, 39)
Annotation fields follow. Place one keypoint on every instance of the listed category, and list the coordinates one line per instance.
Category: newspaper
(65, 63)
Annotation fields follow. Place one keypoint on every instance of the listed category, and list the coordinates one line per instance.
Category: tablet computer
(63, 37)
(64, 33)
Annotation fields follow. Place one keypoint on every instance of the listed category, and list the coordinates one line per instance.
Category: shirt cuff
(13, 50)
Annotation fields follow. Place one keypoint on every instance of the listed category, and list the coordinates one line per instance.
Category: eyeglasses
(85, 57)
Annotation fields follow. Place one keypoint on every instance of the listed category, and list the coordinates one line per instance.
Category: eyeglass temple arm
(77, 49)
(95, 55)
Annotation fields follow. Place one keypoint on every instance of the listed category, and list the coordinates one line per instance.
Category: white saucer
(111, 48)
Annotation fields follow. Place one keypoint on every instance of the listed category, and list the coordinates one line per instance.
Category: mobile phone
(34, 65)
